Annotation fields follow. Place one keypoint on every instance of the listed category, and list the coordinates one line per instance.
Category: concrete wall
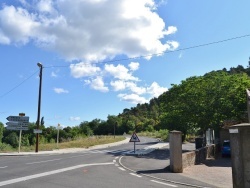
(198, 156)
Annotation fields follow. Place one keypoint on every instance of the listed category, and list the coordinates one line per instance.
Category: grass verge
(77, 143)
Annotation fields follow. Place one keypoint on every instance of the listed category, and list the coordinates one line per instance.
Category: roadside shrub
(5, 147)
(12, 139)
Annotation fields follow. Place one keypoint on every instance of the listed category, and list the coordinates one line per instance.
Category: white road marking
(116, 165)
(3, 166)
(25, 178)
(116, 157)
(122, 169)
(136, 175)
(164, 183)
(114, 161)
(76, 156)
(44, 161)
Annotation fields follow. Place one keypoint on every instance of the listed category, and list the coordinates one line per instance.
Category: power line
(171, 51)
(18, 85)
(138, 57)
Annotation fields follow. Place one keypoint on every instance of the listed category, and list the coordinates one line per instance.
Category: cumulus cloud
(134, 66)
(122, 80)
(87, 30)
(84, 69)
(118, 85)
(45, 6)
(132, 98)
(119, 72)
(98, 84)
(60, 90)
(155, 90)
(71, 118)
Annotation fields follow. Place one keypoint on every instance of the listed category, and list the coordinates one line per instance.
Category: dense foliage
(197, 103)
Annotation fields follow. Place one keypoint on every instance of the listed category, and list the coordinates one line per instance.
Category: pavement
(153, 161)
(211, 173)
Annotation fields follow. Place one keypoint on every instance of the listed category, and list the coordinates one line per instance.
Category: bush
(12, 139)
(164, 134)
(5, 147)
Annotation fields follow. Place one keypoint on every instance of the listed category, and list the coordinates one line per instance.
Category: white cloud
(171, 30)
(87, 30)
(119, 72)
(45, 6)
(172, 45)
(84, 69)
(98, 84)
(132, 98)
(118, 85)
(135, 89)
(71, 118)
(53, 74)
(60, 90)
(17, 25)
(134, 66)
(155, 90)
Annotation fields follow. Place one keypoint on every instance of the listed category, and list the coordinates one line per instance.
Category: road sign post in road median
(134, 138)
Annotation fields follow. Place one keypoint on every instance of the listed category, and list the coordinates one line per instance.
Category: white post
(58, 127)
(20, 140)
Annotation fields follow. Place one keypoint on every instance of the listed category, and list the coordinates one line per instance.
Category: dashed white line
(164, 183)
(3, 166)
(122, 169)
(44, 161)
(114, 161)
(133, 174)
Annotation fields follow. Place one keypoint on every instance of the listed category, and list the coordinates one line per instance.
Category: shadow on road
(155, 171)
(147, 143)
(160, 154)
(219, 162)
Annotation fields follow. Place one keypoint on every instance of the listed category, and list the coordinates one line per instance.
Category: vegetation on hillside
(193, 106)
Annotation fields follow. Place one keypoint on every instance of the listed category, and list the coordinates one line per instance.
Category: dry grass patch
(78, 143)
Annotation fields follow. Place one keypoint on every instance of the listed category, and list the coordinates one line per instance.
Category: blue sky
(88, 47)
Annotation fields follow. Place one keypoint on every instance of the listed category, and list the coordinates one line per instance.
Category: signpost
(37, 131)
(18, 123)
(134, 138)
(57, 138)
(18, 118)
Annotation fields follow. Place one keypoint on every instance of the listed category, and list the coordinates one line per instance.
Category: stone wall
(199, 155)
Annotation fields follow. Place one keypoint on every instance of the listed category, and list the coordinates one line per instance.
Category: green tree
(1, 131)
(205, 102)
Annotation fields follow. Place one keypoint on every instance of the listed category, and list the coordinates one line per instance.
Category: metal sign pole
(57, 139)
(134, 147)
(20, 140)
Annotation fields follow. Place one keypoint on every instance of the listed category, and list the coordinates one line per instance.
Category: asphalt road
(93, 168)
